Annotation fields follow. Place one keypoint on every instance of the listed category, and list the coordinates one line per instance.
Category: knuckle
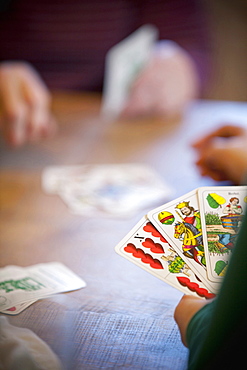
(13, 114)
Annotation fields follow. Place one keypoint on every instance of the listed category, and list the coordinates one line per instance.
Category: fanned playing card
(222, 209)
(179, 222)
(148, 249)
(188, 242)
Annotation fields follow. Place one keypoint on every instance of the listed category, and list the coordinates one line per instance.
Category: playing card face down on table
(118, 190)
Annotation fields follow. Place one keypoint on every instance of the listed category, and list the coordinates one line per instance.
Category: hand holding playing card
(144, 77)
(165, 85)
(185, 310)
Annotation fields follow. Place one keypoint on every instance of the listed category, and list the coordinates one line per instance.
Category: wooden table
(124, 317)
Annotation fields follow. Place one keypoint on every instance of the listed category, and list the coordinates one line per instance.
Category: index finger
(226, 131)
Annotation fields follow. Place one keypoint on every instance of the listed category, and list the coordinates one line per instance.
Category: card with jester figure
(148, 249)
(179, 222)
(222, 209)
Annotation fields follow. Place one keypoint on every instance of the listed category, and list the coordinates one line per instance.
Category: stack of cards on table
(22, 286)
(117, 190)
(188, 242)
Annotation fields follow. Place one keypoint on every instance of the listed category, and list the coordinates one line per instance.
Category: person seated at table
(63, 46)
(214, 330)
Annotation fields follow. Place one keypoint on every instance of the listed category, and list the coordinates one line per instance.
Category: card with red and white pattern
(148, 249)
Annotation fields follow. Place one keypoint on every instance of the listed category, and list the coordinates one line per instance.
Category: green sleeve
(213, 328)
(197, 329)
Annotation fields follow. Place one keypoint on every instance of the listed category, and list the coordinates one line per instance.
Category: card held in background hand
(123, 62)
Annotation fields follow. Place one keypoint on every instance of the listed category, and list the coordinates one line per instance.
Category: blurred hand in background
(222, 154)
(166, 84)
(25, 104)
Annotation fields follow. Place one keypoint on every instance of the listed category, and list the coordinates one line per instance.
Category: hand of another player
(25, 104)
(165, 85)
(185, 310)
(222, 155)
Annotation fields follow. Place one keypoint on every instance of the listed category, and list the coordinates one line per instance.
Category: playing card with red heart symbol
(148, 249)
